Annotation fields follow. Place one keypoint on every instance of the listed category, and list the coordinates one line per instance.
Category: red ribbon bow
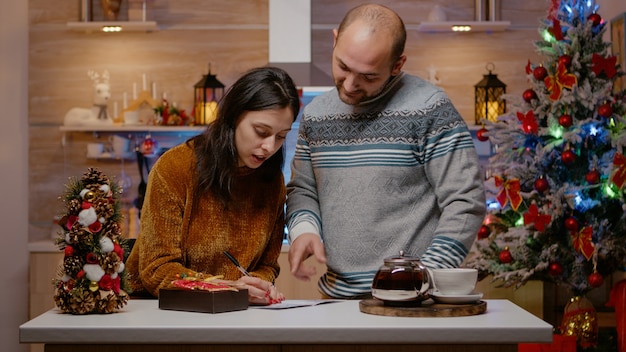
(529, 122)
(510, 192)
(560, 80)
(556, 30)
(582, 241)
(533, 216)
(599, 64)
(619, 175)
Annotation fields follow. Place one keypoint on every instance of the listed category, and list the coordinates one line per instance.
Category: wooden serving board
(377, 307)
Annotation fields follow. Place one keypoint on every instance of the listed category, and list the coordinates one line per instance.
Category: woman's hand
(260, 292)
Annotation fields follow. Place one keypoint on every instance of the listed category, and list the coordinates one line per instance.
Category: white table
(340, 326)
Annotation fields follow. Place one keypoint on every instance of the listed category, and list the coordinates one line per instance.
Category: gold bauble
(580, 319)
(90, 196)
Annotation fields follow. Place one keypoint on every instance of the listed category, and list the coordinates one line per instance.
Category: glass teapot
(402, 280)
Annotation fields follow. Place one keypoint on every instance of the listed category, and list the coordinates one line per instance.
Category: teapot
(402, 280)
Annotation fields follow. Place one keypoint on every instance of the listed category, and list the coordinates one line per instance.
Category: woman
(221, 191)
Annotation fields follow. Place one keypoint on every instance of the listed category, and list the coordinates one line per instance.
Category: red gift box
(560, 343)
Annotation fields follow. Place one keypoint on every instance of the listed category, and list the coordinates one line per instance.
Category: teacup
(454, 281)
(95, 150)
(131, 117)
(120, 145)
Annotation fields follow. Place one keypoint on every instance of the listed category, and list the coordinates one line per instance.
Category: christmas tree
(559, 169)
(92, 277)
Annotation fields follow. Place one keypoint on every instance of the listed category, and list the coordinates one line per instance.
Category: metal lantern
(489, 92)
(207, 93)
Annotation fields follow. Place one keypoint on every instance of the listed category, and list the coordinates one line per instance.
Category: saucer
(456, 299)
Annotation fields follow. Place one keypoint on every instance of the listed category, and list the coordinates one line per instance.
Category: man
(383, 163)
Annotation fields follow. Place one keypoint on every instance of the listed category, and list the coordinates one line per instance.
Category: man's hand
(303, 247)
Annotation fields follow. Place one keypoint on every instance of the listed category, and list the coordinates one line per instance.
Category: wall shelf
(132, 128)
(469, 26)
(124, 26)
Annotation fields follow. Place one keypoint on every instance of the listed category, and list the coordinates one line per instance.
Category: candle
(145, 86)
(125, 102)
(134, 91)
(154, 95)
(114, 109)
(164, 95)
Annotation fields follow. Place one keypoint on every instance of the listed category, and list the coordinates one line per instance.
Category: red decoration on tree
(529, 95)
(571, 224)
(582, 243)
(540, 73)
(606, 65)
(482, 135)
(565, 61)
(505, 256)
(555, 269)
(568, 157)
(595, 279)
(532, 216)
(556, 30)
(619, 175)
(541, 185)
(483, 232)
(605, 110)
(560, 80)
(593, 177)
(510, 191)
(566, 120)
(529, 122)
(595, 19)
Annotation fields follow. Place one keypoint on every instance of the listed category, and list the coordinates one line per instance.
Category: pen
(232, 259)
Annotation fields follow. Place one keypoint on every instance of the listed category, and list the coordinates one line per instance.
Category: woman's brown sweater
(172, 241)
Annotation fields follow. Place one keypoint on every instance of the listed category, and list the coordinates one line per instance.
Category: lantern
(489, 92)
(207, 93)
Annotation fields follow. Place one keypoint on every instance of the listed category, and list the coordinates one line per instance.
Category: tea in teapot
(402, 280)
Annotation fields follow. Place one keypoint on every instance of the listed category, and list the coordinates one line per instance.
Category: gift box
(203, 301)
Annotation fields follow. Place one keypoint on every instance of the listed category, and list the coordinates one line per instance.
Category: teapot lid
(396, 259)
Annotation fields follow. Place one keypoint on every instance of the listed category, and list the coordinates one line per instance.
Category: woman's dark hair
(259, 89)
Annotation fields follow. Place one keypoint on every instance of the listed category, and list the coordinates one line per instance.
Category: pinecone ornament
(92, 278)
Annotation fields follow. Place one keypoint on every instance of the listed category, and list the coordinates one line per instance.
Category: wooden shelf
(132, 128)
(125, 26)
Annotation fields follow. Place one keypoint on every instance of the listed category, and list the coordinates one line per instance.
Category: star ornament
(529, 122)
(532, 216)
(601, 64)
(510, 192)
(560, 80)
(582, 241)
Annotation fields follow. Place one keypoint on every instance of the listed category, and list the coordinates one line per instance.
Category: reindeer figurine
(98, 114)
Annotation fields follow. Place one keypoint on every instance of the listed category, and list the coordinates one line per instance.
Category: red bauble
(529, 95)
(483, 232)
(593, 176)
(595, 279)
(565, 60)
(555, 269)
(505, 256)
(605, 110)
(566, 120)
(68, 251)
(571, 224)
(482, 135)
(541, 185)
(149, 146)
(540, 73)
(568, 157)
(595, 18)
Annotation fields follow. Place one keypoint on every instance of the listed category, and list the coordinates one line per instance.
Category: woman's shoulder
(176, 158)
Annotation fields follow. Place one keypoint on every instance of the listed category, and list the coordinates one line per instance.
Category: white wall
(14, 171)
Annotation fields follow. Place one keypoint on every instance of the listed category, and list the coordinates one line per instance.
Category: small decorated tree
(92, 278)
(559, 171)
